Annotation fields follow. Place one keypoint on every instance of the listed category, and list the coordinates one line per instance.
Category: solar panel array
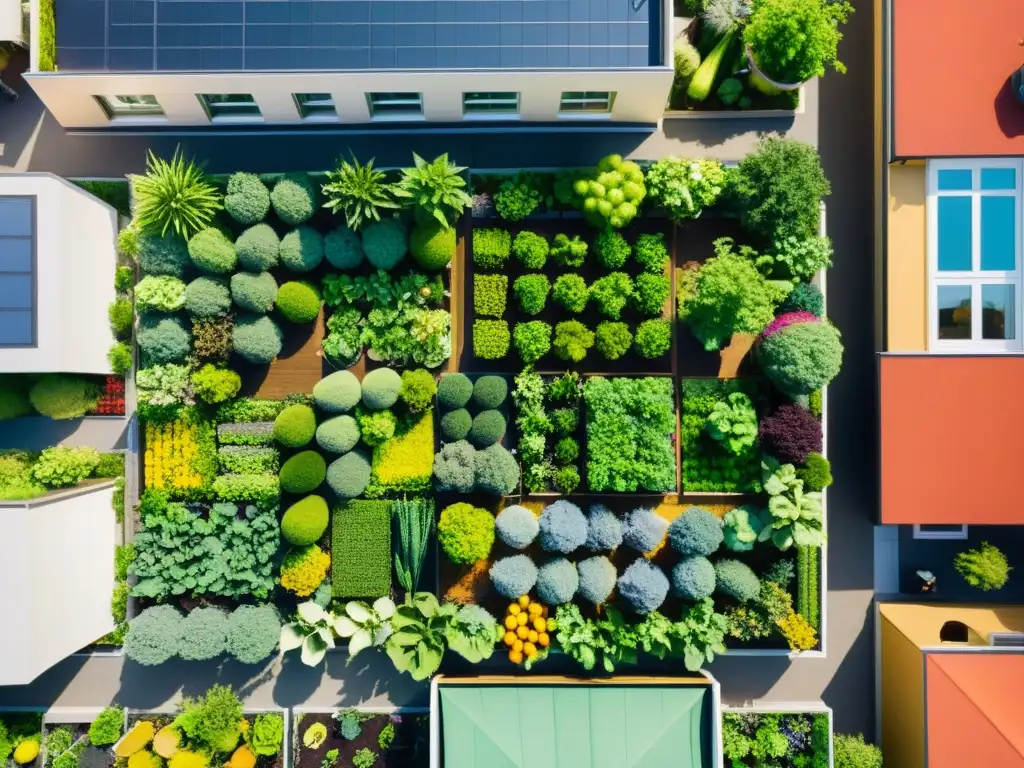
(221, 35)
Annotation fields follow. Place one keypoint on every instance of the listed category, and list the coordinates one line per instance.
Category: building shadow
(18, 118)
(1009, 111)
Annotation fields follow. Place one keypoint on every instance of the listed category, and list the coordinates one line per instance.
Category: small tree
(985, 567)
(853, 752)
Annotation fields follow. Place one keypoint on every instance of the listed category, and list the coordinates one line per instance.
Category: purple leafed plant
(790, 433)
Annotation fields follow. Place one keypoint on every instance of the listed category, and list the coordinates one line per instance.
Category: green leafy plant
(794, 40)
(63, 467)
(417, 644)
(611, 194)
(568, 252)
(571, 292)
(63, 397)
(684, 187)
(359, 191)
(174, 196)
(415, 521)
(733, 423)
(491, 248)
(793, 516)
(490, 293)
(613, 340)
(215, 385)
(517, 198)
(162, 293)
(611, 249)
(364, 758)
(853, 752)
(365, 626)
(797, 259)
(985, 567)
(107, 727)
(651, 293)
(465, 533)
(531, 249)
(611, 293)
(436, 189)
(741, 528)
(267, 734)
(531, 292)
(361, 549)
(609, 640)
(491, 339)
(212, 722)
(532, 340)
(572, 340)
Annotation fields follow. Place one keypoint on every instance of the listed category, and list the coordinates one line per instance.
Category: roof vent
(1006, 639)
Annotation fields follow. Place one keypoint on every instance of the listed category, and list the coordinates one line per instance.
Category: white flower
(696, 176)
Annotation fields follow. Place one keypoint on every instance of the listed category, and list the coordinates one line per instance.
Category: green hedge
(361, 549)
(808, 568)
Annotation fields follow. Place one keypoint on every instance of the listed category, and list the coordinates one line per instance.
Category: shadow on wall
(33, 433)
(746, 678)
(44, 691)
(1009, 111)
(18, 119)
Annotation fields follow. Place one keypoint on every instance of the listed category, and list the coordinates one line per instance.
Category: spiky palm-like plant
(436, 189)
(174, 195)
(359, 191)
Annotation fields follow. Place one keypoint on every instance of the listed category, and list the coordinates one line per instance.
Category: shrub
(107, 727)
(650, 293)
(985, 567)
(566, 479)
(611, 249)
(516, 526)
(557, 582)
(790, 434)
(567, 450)
(258, 248)
(489, 295)
(644, 586)
(303, 569)
(454, 390)
(162, 293)
(693, 578)
(597, 578)
(417, 390)
(611, 292)
(154, 636)
(432, 246)
(465, 533)
(779, 187)
(563, 528)
(516, 199)
(490, 392)
(63, 397)
(488, 428)
(802, 357)
(343, 249)
(294, 199)
(295, 426)
(817, 472)
(650, 252)
(207, 297)
(643, 530)
(349, 475)
(455, 425)
(14, 402)
(253, 633)
(737, 580)
(853, 752)
(531, 292)
(491, 248)
(531, 250)
(302, 473)
(163, 255)
(604, 530)
(793, 40)
(302, 249)
(299, 302)
(211, 251)
(376, 427)
(257, 339)
(696, 532)
(248, 199)
(119, 357)
(163, 339)
(564, 421)
(254, 292)
(121, 317)
(203, 634)
(804, 297)
(455, 467)
(613, 340)
(248, 459)
(490, 339)
(532, 340)
(566, 252)
(653, 338)
(338, 435)
(571, 292)
(798, 259)
(513, 577)
(385, 243)
(215, 385)
(495, 471)
(380, 388)
(261, 491)
(337, 393)
(305, 521)
(572, 340)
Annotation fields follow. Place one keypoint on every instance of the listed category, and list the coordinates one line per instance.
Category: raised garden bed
(82, 739)
(789, 735)
(23, 728)
(398, 739)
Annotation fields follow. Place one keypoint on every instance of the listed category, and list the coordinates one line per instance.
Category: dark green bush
(258, 248)
(455, 425)
(488, 428)
(418, 390)
(302, 249)
(531, 250)
(571, 292)
(653, 338)
(490, 339)
(338, 435)
(564, 421)
(611, 249)
(212, 252)
(816, 474)
(572, 340)
(248, 199)
(385, 243)
(804, 297)
(302, 473)
(257, 339)
(305, 521)
(490, 392)
(14, 401)
(380, 388)
(432, 246)
(338, 392)
(650, 252)
(495, 471)
(490, 293)
(613, 340)
(567, 450)
(454, 390)
(207, 297)
(532, 340)
(566, 479)
(163, 255)
(343, 249)
(295, 426)
(737, 580)
(299, 302)
(294, 199)
(491, 248)
(254, 292)
(531, 292)
(163, 339)
(124, 279)
(349, 475)
(650, 293)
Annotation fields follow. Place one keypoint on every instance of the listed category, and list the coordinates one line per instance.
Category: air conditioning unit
(1006, 639)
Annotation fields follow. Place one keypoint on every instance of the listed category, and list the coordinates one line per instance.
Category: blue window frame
(17, 272)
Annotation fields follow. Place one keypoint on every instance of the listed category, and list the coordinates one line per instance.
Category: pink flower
(788, 318)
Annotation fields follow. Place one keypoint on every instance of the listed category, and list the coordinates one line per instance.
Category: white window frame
(953, 535)
(974, 278)
(395, 116)
(210, 106)
(587, 98)
(323, 110)
(115, 110)
(510, 113)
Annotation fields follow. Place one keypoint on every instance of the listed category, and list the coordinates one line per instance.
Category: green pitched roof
(576, 726)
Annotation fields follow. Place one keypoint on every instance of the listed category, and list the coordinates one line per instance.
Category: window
(395, 105)
(228, 105)
(315, 105)
(587, 102)
(17, 272)
(489, 103)
(130, 106)
(974, 255)
(940, 531)
(954, 632)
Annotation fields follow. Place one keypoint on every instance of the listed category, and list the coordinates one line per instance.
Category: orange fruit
(522, 633)
(535, 609)
(516, 657)
(533, 636)
(529, 649)
(540, 625)
(514, 609)
(521, 619)
(524, 601)
(517, 645)
(543, 639)
(510, 638)
(510, 622)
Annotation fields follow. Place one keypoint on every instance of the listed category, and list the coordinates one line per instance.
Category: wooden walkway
(299, 366)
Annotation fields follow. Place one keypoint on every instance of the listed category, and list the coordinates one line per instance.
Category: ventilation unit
(1006, 639)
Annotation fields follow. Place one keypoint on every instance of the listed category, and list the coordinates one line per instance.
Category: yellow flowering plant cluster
(180, 456)
(404, 462)
(798, 632)
(304, 569)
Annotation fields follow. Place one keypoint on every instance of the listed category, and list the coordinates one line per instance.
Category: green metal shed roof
(576, 726)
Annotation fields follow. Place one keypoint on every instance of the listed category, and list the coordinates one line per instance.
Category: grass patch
(114, 193)
(707, 465)
(361, 549)
(808, 568)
